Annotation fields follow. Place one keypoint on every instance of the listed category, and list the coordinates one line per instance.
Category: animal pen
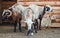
(54, 3)
(29, 18)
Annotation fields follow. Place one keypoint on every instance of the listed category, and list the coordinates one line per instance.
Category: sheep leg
(15, 24)
(20, 29)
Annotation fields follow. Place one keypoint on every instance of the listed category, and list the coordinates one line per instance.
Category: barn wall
(0, 10)
(36, 0)
(40, 2)
(0, 6)
(56, 3)
(7, 4)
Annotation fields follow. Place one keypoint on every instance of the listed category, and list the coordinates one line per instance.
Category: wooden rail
(35, 0)
(56, 17)
(53, 3)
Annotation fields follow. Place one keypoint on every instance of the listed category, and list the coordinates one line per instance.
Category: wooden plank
(6, 5)
(8, 2)
(41, 3)
(35, 0)
(56, 16)
(0, 7)
(54, 25)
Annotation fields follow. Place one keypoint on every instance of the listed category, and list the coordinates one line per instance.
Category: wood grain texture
(35, 0)
(53, 3)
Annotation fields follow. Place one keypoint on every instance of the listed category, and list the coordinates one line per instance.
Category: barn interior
(5, 4)
(8, 26)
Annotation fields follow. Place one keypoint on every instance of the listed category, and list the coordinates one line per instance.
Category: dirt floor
(7, 32)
